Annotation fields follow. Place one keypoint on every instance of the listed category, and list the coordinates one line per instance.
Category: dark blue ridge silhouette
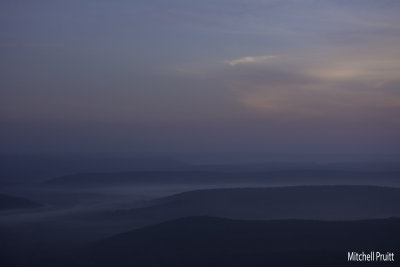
(294, 202)
(8, 202)
(210, 241)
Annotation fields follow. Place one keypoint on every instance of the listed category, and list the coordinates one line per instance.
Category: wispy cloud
(249, 60)
(338, 87)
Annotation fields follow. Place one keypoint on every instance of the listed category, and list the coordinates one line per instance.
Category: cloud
(249, 60)
(339, 87)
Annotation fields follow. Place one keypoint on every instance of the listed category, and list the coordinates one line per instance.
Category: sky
(185, 77)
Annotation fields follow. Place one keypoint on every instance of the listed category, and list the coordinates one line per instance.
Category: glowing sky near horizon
(187, 77)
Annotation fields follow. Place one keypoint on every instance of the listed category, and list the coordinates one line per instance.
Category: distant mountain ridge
(28, 168)
(294, 202)
(215, 177)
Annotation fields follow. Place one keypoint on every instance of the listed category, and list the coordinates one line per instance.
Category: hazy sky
(231, 77)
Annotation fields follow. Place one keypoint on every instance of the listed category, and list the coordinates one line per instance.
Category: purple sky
(184, 77)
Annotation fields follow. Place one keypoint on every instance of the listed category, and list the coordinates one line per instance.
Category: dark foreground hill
(297, 202)
(12, 202)
(209, 241)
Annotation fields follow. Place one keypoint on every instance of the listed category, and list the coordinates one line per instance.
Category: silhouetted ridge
(208, 241)
(13, 202)
(297, 202)
(212, 177)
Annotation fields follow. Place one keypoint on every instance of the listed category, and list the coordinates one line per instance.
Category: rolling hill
(8, 202)
(295, 202)
(209, 241)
